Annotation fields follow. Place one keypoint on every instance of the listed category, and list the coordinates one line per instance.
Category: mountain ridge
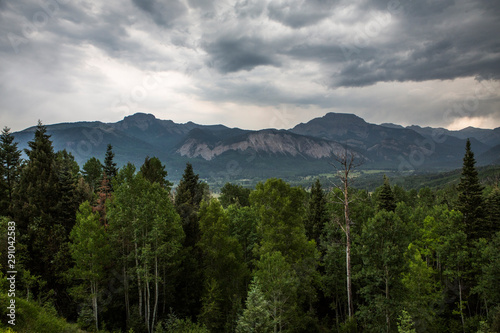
(306, 146)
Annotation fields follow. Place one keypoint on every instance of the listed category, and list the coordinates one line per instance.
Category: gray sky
(250, 63)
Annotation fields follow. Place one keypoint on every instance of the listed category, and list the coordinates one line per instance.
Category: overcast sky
(250, 63)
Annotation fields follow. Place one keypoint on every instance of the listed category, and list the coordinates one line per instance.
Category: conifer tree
(40, 214)
(154, 171)
(10, 160)
(385, 198)
(317, 215)
(256, 317)
(109, 164)
(188, 196)
(470, 200)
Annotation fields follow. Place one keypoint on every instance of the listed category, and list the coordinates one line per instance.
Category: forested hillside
(121, 250)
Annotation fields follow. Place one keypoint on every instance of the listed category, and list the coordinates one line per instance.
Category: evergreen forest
(107, 249)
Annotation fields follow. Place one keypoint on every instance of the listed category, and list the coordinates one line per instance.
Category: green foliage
(10, 165)
(133, 256)
(470, 200)
(32, 317)
(109, 167)
(92, 173)
(489, 281)
(279, 284)
(243, 225)
(234, 194)
(224, 269)
(177, 325)
(188, 196)
(385, 197)
(492, 204)
(146, 228)
(256, 317)
(154, 171)
(382, 244)
(316, 213)
(405, 323)
(282, 210)
(90, 250)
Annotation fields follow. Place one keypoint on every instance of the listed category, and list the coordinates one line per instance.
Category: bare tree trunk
(387, 318)
(348, 258)
(125, 283)
(139, 285)
(348, 270)
(460, 297)
(93, 291)
(125, 290)
(347, 163)
(156, 292)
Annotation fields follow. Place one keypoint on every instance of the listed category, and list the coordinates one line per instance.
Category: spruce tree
(154, 171)
(470, 200)
(385, 198)
(256, 317)
(10, 160)
(109, 165)
(37, 209)
(317, 215)
(188, 196)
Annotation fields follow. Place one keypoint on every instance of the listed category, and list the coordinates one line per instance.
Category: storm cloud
(399, 61)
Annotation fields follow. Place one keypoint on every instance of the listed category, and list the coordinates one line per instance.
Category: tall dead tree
(344, 164)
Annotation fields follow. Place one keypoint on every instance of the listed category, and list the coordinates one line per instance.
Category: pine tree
(109, 165)
(470, 200)
(10, 160)
(154, 171)
(385, 198)
(256, 318)
(317, 215)
(37, 208)
(188, 196)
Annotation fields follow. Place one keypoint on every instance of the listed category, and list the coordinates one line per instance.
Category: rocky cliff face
(268, 142)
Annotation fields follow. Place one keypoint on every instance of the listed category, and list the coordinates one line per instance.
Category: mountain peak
(350, 117)
(140, 116)
(140, 120)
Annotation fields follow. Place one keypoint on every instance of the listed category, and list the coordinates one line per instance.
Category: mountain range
(222, 153)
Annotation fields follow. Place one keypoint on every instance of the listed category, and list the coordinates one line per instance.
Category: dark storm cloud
(298, 14)
(231, 54)
(256, 52)
(440, 40)
(163, 13)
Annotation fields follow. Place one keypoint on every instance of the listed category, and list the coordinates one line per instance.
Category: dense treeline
(120, 250)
